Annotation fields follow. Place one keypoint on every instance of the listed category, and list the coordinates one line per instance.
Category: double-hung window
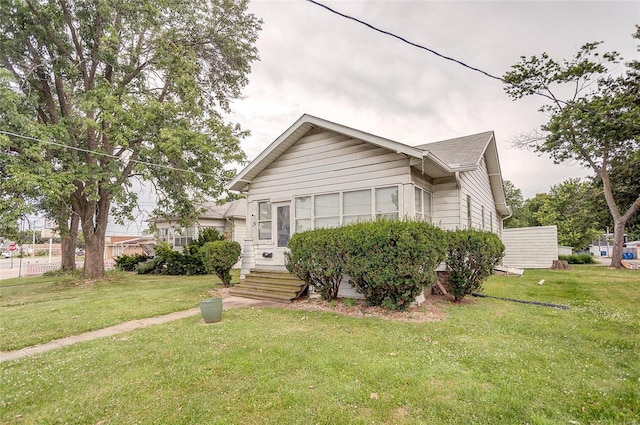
(387, 202)
(184, 236)
(356, 206)
(423, 204)
(264, 220)
(303, 213)
(326, 210)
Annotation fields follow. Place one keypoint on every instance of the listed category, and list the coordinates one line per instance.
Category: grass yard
(488, 362)
(39, 309)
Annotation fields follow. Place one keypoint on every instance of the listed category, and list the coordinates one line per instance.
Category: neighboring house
(228, 219)
(115, 246)
(530, 247)
(322, 174)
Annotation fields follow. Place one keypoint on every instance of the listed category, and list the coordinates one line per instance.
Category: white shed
(530, 247)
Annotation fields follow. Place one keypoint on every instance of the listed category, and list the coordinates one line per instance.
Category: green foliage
(128, 263)
(168, 261)
(596, 125)
(318, 258)
(515, 200)
(578, 258)
(570, 206)
(219, 257)
(136, 89)
(389, 261)
(471, 257)
(146, 267)
(625, 187)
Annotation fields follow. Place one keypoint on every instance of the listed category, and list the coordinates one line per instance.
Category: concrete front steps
(272, 285)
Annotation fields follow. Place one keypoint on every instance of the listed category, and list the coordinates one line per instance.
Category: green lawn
(488, 361)
(40, 309)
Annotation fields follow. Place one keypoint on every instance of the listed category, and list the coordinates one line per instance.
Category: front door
(281, 230)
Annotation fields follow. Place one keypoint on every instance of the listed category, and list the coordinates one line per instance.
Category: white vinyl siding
(530, 247)
(446, 206)
(476, 185)
(326, 160)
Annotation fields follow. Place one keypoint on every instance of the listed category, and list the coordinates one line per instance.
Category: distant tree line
(577, 207)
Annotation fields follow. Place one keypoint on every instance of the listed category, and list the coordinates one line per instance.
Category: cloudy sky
(316, 62)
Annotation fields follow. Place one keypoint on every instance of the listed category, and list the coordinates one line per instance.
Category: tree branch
(79, 51)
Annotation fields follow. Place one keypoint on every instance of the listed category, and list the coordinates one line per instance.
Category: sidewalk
(227, 303)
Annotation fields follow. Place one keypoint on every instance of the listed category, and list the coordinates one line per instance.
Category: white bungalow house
(320, 174)
(228, 219)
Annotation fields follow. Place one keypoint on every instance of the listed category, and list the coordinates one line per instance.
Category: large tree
(117, 90)
(570, 206)
(516, 202)
(594, 116)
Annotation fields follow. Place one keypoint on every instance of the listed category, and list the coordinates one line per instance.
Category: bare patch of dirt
(428, 311)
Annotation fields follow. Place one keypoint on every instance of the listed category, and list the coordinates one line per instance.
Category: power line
(135, 161)
(459, 62)
(404, 40)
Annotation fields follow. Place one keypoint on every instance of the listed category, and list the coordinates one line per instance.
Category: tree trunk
(94, 257)
(94, 219)
(68, 245)
(618, 241)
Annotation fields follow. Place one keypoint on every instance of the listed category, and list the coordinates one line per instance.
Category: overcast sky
(313, 61)
(316, 62)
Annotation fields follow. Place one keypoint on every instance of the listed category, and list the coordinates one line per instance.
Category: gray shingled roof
(231, 209)
(466, 150)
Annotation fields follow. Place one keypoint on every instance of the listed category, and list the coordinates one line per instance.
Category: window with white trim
(387, 202)
(184, 236)
(264, 220)
(491, 221)
(303, 214)
(163, 234)
(423, 204)
(326, 210)
(356, 206)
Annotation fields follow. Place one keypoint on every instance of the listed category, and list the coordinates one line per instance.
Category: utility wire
(459, 62)
(404, 40)
(136, 161)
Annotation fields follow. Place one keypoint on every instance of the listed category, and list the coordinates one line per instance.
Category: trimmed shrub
(578, 258)
(318, 258)
(167, 261)
(390, 262)
(128, 263)
(471, 257)
(219, 257)
(146, 267)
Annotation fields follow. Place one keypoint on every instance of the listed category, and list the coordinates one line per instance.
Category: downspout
(458, 186)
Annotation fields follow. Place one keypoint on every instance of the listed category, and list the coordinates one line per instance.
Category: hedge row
(390, 262)
(578, 258)
(210, 253)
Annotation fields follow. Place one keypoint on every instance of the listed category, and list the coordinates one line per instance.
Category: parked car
(80, 252)
(6, 254)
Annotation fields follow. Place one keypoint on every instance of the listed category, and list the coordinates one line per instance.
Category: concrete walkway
(227, 303)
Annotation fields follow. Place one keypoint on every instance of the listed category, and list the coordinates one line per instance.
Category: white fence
(35, 269)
